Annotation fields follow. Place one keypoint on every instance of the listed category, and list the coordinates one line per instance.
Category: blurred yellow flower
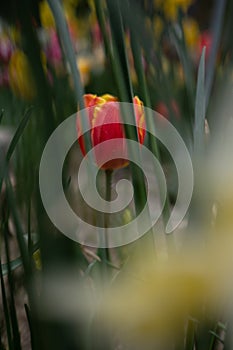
(151, 301)
(46, 15)
(20, 76)
(191, 32)
(84, 65)
(158, 26)
(170, 8)
(79, 25)
(155, 303)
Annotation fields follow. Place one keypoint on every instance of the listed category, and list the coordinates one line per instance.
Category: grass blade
(222, 326)
(137, 56)
(215, 335)
(1, 115)
(121, 71)
(120, 49)
(6, 310)
(102, 24)
(120, 67)
(14, 320)
(14, 143)
(190, 335)
(200, 106)
(62, 28)
(18, 227)
(217, 24)
(14, 264)
(18, 133)
(28, 314)
(177, 37)
(64, 35)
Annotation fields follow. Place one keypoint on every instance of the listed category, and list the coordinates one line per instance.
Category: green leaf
(18, 133)
(13, 315)
(30, 324)
(222, 326)
(177, 37)
(216, 336)
(14, 264)
(121, 72)
(217, 25)
(120, 53)
(1, 115)
(6, 310)
(104, 32)
(89, 268)
(64, 35)
(190, 334)
(14, 143)
(200, 106)
(18, 227)
(137, 56)
(63, 32)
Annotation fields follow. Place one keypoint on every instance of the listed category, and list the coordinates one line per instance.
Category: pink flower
(53, 51)
(6, 49)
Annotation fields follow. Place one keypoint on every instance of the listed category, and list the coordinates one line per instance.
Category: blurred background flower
(20, 76)
(171, 8)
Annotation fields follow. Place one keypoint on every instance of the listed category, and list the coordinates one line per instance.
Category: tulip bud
(106, 111)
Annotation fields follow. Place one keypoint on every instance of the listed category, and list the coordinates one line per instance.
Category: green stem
(102, 24)
(120, 66)
(121, 72)
(137, 56)
(217, 25)
(108, 176)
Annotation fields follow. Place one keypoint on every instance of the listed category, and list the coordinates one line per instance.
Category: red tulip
(106, 111)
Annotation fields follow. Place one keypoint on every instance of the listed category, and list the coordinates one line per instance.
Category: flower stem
(137, 55)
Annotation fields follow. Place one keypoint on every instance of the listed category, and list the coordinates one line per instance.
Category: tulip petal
(106, 124)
